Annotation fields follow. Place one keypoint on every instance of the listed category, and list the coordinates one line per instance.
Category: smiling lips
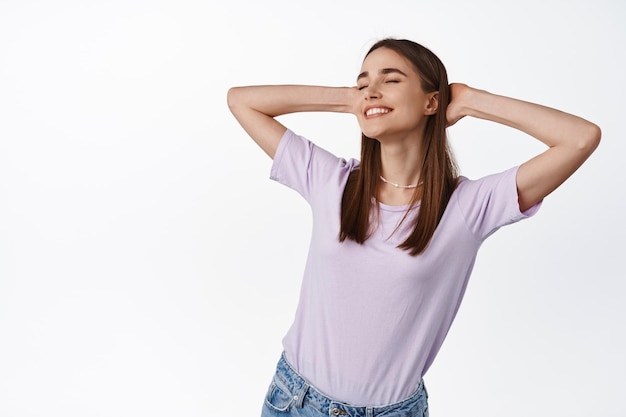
(375, 111)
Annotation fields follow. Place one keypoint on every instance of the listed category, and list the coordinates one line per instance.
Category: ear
(432, 104)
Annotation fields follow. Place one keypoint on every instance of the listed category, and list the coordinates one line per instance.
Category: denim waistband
(301, 392)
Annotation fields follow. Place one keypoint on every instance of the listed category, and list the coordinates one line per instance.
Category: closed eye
(362, 87)
(392, 81)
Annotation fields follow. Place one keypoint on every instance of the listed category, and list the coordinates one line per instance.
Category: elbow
(585, 139)
(238, 98)
(232, 97)
(591, 139)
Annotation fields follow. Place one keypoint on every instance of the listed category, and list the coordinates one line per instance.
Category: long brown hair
(439, 171)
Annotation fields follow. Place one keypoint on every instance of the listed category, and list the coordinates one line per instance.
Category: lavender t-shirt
(371, 318)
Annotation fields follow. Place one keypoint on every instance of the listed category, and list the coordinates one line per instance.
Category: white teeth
(376, 110)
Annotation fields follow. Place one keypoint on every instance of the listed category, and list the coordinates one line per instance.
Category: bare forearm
(275, 100)
(255, 107)
(552, 127)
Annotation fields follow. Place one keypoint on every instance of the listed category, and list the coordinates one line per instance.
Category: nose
(372, 91)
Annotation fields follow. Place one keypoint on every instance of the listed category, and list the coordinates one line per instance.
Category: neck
(402, 165)
(401, 162)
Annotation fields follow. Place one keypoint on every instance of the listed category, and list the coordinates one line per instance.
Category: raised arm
(256, 107)
(569, 138)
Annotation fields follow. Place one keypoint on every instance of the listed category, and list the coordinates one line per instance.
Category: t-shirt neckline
(405, 207)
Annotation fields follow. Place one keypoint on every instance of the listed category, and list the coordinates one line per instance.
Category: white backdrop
(148, 267)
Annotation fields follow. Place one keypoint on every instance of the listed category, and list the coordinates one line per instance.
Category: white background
(148, 267)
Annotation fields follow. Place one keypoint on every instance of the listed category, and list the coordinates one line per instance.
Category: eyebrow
(383, 71)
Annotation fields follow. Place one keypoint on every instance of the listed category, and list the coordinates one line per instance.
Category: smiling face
(393, 104)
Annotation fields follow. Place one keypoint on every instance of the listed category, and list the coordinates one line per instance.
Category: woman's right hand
(355, 98)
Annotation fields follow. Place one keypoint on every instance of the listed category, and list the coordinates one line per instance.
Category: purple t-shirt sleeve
(304, 167)
(491, 202)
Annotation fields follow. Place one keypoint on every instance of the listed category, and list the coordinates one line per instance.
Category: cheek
(413, 109)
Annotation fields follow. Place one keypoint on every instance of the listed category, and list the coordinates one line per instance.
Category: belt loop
(300, 395)
(369, 412)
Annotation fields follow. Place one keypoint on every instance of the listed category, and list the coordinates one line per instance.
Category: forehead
(386, 58)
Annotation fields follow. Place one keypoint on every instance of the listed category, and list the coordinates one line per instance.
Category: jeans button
(336, 411)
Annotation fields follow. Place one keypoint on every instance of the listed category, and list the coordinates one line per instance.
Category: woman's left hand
(457, 106)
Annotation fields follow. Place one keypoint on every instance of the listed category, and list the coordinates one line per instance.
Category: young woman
(395, 235)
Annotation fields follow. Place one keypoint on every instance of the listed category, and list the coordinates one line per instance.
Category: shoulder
(489, 202)
(301, 164)
(300, 149)
(498, 182)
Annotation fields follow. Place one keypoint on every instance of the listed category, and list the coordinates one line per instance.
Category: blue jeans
(289, 395)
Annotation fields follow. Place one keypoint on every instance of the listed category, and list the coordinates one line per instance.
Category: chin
(373, 134)
(371, 131)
